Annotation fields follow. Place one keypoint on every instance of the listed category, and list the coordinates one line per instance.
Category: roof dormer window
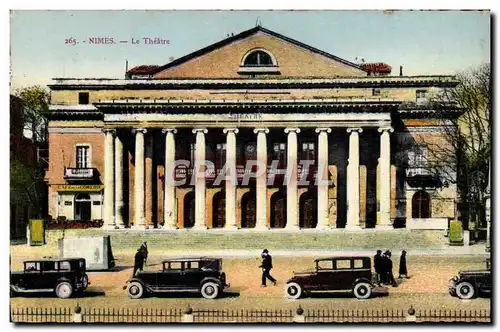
(258, 61)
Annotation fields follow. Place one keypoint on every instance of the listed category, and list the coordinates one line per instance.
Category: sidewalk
(474, 250)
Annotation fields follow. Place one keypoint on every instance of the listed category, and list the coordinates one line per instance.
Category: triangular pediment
(226, 59)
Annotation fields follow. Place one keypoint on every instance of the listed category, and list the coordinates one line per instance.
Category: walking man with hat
(267, 265)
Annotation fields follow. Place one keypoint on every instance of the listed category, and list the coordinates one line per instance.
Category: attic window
(258, 61)
(258, 58)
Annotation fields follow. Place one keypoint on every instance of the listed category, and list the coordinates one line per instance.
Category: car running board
(23, 290)
(167, 290)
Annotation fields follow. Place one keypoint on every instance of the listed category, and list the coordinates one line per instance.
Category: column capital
(292, 130)
(322, 130)
(139, 130)
(384, 129)
(355, 130)
(261, 130)
(109, 131)
(200, 130)
(230, 130)
(169, 130)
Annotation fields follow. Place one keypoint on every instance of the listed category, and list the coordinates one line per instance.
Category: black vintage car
(64, 276)
(202, 274)
(334, 274)
(467, 284)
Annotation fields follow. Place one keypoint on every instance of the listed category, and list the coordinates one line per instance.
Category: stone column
(148, 183)
(322, 177)
(109, 181)
(292, 204)
(139, 217)
(119, 207)
(230, 184)
(169, 208)
(200, 185)
(261, 183)
(353, 180)
(385, 178)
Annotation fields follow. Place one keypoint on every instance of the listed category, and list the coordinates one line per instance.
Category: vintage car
(334, 274)
(202, 274)
(64, 276)
(467, 284)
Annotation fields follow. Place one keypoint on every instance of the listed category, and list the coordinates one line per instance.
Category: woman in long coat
(403, 272)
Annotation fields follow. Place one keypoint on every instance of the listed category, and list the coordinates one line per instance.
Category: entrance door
(82, 207)
(278, 210)
(219, 210)
(420, 205)
(248, 210)
(308, 211)
(189, 210)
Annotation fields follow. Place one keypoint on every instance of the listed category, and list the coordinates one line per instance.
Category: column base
(352, 227)
(260, 228)
(168, 227)
(323, 227)
(384, 227)
(199, 227)
(141, 227)
(109, 227)
(230, 228)
(292, 228)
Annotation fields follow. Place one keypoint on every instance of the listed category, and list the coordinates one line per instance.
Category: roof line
(245, 34)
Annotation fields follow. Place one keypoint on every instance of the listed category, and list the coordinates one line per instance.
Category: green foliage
(36, 102)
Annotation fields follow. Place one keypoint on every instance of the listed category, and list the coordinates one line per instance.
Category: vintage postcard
(250, 167)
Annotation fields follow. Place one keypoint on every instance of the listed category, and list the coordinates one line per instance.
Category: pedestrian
(267, 265)
(390, 275)
(145, 252)
(403, 272)
(138, 261)
(377, 263)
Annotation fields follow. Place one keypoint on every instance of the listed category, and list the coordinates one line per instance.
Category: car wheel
(85, 282)
(210, 290)
(293, 290)
(64, 290)
(465, 290)
(135, 290)
(362, 290)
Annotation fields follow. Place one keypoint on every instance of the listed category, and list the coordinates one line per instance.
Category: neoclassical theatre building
(257, 97)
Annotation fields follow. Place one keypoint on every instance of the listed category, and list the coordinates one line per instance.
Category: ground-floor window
(308, 210)
(420, 205)
(82, 207)
(248, 216)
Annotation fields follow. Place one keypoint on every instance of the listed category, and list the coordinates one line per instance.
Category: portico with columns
(284, 142)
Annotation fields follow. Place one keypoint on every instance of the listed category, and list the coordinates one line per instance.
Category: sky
(423, 42)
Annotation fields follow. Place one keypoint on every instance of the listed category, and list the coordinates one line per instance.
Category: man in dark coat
(377, 264)
(267, 265)
(145, 252)
(138, 261)
(390, 275)
(403, 272)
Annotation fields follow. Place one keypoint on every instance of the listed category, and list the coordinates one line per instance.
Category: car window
(358, 264)
(343, 264)
(48, 266)
(64, 266)
(325, 265)
(209, 265)
(193, 265)
(175, 265)
(32, 266)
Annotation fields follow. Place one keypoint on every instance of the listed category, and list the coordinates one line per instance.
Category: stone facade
(302, 104)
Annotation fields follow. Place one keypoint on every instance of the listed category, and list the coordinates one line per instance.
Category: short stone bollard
(410, 317)
(299, 315)
(188, 317)
(77, 317)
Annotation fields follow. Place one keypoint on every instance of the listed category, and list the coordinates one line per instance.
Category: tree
(463, 155)
(26, 176)
(36, 102)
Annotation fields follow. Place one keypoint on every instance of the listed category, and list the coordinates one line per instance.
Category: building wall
(70, 97)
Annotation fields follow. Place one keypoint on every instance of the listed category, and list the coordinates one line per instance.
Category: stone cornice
(252, 83)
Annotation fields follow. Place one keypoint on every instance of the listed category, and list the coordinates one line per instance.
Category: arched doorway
(189, 210)
(219, 210)
(248, 210)
(308, 207)
(278, 210)
(82, 207)
(421, 205)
